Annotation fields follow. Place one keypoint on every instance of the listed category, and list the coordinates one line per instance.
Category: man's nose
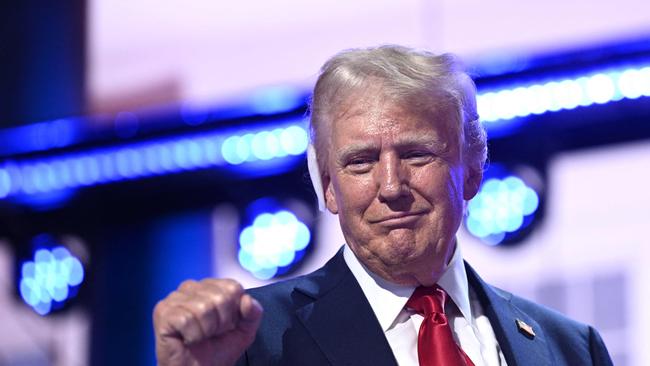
(392, 179)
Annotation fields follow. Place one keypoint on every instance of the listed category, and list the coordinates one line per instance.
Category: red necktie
(436, 345)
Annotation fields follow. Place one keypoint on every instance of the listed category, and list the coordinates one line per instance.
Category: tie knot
(428, 300)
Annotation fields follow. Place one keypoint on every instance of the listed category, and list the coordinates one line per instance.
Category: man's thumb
(251, 314)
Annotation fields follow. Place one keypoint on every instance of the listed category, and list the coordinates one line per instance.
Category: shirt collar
(454, 282)
(388, 299)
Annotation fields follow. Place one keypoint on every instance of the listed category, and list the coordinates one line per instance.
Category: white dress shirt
(470, 327)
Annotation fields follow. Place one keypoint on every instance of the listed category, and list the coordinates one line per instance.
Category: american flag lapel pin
(525, 329)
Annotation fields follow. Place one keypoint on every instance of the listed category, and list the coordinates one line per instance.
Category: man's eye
(359, 162)
(417, 155)
(360, 165)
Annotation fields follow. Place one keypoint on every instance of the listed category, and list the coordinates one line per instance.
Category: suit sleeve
(599, 354)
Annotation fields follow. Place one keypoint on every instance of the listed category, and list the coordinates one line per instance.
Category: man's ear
(472, 181)
(330, 197)
(316, 177)
(321, 182)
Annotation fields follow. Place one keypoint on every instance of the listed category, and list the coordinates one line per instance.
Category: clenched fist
(210, 322)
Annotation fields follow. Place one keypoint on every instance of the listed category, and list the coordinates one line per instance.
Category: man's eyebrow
(427, 141)
(354, 149)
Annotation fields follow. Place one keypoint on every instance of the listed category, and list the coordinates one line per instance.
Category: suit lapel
(518, 347)
(339, 318)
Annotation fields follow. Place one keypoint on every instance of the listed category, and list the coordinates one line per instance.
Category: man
(400, 150)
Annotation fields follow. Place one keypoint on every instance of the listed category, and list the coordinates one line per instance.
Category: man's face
(396, 179)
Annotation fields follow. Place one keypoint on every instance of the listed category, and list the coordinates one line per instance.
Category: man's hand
(211, 322)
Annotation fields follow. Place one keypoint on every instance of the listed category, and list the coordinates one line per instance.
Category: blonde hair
(407, 76)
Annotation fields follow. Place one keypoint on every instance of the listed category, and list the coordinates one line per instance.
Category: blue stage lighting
(600, 88)
(244, 147)
(635, 83)
(39, 136)
(276, 100)
(195, 154)
(265, 145)
(44, 179)
(523, 100)
(167, 156)
(5, 183)
(277, 137)
(294, 140)
(272, 241)
(49, 278)
(90, 167)
(229, 150)
(181, 155)
(500, 207)
(106, 165)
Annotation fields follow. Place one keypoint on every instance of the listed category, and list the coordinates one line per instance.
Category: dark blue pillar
(42, 53)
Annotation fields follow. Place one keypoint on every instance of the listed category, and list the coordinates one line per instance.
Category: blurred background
(145, 142)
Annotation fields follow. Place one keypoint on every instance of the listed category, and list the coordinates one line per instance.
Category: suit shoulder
(277, 292)
(548, 316)
(570, 342)
(308, 285)
(545, 315)
(564, 331)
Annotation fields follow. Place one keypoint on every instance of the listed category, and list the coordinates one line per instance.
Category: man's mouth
(399, 219)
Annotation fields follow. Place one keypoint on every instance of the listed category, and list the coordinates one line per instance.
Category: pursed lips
(398, 218)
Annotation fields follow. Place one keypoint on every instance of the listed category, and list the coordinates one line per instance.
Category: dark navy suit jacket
(323, 318)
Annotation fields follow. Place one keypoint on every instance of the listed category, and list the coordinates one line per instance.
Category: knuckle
(202, 307)
(219, 300)
(160, 309)
(164, 307)
(180, 320)
(188, 285)
(159, 312)
(233, 286)
(170, 319)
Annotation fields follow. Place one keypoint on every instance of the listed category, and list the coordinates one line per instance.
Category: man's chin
(401, 252)
(402, 237)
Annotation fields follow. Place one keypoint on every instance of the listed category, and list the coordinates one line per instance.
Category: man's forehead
(376, 101)
(393, 117)
(360, 101)
(428, 139)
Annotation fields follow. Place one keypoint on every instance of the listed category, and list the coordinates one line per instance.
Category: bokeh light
(537, 98)
(500, 208)
(141, 160)
(49, 278)
(265, 145)
(271, 242)
(276, 99)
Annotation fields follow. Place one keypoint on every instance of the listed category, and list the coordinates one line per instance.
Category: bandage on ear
(314, 174)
